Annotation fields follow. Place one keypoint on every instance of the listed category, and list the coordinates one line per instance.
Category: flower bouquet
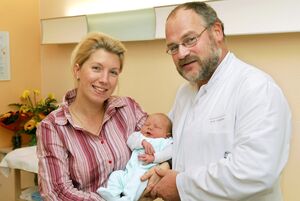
(28, 115)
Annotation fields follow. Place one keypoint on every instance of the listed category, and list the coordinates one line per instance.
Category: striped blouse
(74, 163)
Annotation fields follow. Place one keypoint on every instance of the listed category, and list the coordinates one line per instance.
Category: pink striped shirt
(74, 163)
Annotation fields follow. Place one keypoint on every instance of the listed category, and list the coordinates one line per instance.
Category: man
(231, 123)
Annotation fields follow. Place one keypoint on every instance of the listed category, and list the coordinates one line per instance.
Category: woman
(84, 140)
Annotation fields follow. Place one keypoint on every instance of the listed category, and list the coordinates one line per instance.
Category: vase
(32, 141)
(35, 179)
(16, 141)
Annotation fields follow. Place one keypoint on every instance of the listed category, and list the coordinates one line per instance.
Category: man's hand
(148, 147)
(166, 188)
(153, 177)
(146, 158)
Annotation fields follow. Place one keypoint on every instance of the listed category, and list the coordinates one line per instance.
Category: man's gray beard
(208, 65)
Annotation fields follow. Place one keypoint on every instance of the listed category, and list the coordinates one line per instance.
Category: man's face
(196, 64)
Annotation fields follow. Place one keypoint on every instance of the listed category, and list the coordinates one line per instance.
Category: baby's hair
(168, 121)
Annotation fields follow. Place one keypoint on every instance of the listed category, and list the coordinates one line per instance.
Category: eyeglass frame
(185, 43)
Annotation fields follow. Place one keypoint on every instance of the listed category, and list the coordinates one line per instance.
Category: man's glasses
(187, 42)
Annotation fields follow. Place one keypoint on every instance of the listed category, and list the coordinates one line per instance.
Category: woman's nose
(103, 77)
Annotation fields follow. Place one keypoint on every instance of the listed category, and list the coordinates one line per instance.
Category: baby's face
(155, 127)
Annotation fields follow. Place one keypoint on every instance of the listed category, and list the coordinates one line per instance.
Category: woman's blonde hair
(94, 41)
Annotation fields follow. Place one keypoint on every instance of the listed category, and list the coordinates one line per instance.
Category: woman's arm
(54, 176)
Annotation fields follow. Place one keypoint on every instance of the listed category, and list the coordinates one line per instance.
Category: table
(19, 159)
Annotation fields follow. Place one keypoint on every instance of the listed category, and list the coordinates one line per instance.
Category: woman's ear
(76, 70)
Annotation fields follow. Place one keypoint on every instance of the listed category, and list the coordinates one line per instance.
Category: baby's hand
(148, 147)
(146, 158)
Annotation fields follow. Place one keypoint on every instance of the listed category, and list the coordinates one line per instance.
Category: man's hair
(207, 13)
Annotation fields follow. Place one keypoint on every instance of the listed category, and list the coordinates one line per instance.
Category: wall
(151, 78)
(157, 78)
(21, 20)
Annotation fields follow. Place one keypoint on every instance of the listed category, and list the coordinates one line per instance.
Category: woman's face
(98, 76)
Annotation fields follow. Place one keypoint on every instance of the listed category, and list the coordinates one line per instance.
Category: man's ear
(218, 31)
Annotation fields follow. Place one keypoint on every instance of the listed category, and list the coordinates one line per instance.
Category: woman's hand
(153, 178)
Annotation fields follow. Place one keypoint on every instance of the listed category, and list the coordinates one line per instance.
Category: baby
(150, 146)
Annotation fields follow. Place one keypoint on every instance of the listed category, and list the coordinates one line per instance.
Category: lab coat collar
(219, 71)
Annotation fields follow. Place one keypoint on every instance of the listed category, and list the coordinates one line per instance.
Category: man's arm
(260, 151)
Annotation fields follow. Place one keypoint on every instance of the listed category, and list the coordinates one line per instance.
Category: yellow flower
(6, 115)
(37, 124)
(36, 92)
(41, 116)
(29, 125)
(51, 96)
(25, 94)
(24, 109)
(41, 102)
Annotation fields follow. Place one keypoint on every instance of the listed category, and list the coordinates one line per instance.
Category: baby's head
(157, 125)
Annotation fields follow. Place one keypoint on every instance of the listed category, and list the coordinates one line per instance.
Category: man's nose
(183, 51)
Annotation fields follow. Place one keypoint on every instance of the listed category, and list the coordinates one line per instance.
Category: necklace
(82, 124)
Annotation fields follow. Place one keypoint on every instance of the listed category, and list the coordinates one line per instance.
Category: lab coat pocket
(219, 132)
(217, 124)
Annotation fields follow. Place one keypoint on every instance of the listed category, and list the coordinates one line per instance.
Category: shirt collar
(112, 104)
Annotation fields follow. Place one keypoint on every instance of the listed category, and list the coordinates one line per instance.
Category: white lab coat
(231, 137)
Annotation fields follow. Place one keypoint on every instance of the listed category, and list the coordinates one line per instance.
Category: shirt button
(102, 141)
(109, 161)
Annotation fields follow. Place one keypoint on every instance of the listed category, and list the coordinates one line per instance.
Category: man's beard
(207, 66)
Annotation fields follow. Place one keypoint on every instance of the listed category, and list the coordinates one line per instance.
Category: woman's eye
(114, 73)
(96, 68)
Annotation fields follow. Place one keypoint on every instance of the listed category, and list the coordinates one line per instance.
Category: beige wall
(150, 77)
(21, 20)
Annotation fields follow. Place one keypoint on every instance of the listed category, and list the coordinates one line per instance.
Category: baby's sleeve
(165, 154)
